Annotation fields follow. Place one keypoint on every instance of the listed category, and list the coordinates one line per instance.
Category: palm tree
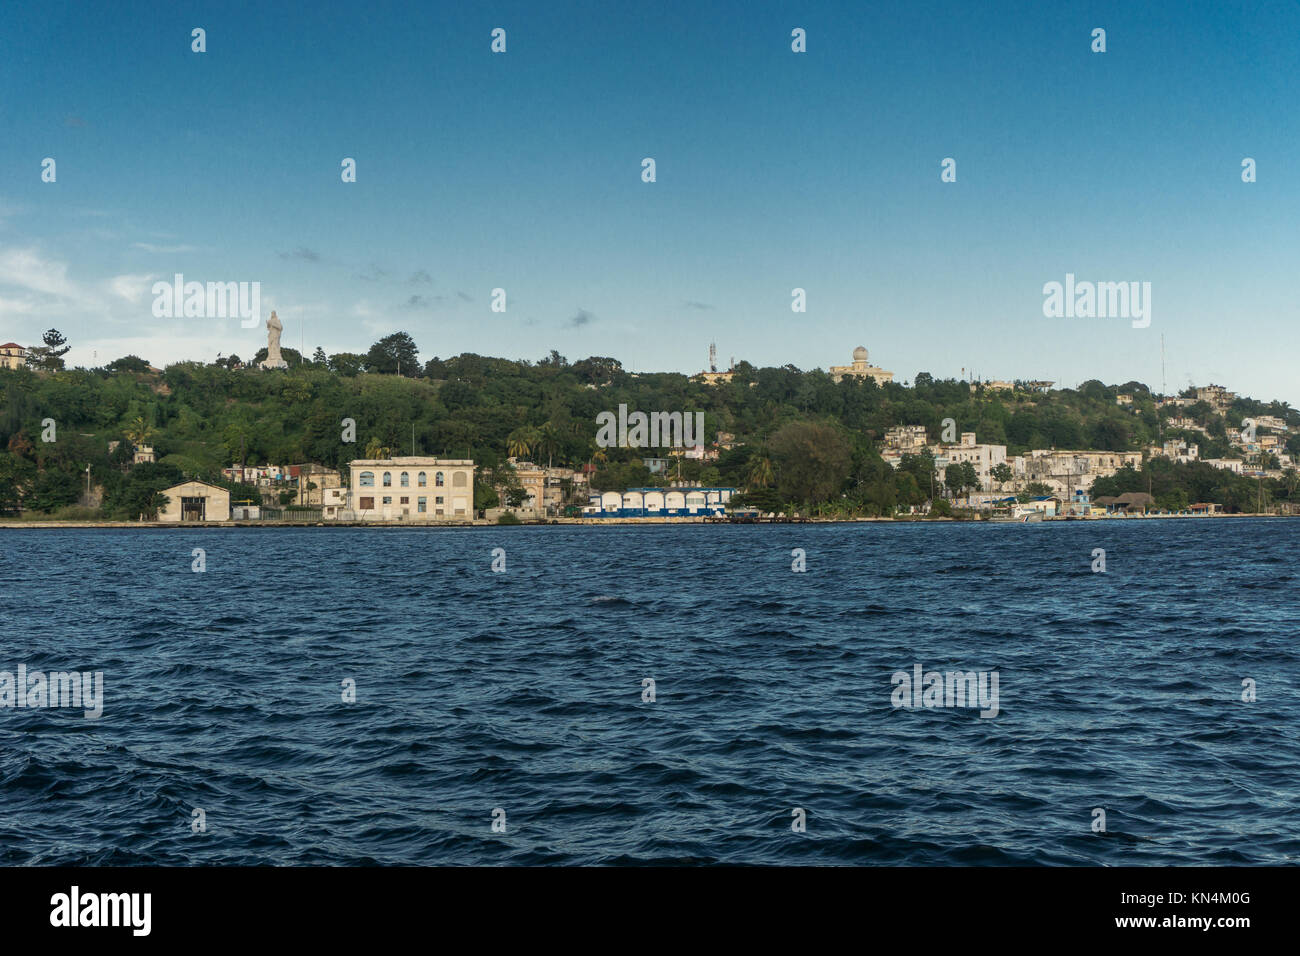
(139, 432)
(1292, 480)
(520, 442)
(597, 455)
(548, 442)
(760, 472)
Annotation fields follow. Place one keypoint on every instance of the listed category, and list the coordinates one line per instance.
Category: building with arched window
(448, 497)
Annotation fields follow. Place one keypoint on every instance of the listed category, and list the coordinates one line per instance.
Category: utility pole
(1160, 421)
(87, 484)
(1162, 365)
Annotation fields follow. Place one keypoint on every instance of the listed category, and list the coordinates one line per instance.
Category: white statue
(273, 358)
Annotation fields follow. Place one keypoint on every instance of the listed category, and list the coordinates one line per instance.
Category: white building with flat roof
(410, 488)
(984, 458)
(1066, 471)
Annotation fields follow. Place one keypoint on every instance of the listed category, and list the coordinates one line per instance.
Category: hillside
(797, 434)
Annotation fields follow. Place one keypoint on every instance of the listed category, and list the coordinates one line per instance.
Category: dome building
(861, 368)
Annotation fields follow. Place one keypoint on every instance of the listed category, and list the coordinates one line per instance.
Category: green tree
(49, 356)
(52, 490)
(1001, 473)
(394, 354)
(376, 449)
(521, 441)
(1035, 489)
(764, 500)
(348, 364)
(811, 461)
(954, 477)
(16, 474)
(548, 441)
(759, 473)
(139, 432)
(128, 363)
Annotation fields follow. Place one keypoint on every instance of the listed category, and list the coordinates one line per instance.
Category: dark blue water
(523, 691)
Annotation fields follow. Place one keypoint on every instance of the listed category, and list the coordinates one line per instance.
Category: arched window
(406, 480)
(421, 479)
(437, 479)
(366, 479)
(388, 479)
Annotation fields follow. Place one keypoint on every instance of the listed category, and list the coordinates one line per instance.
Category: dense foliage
(800, 439)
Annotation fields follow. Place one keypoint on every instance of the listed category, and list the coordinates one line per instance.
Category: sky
(775, 170)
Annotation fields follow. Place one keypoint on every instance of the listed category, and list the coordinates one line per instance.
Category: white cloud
(26, 269)
(164, 341)
(16, 307)
(152, 247)
(132, 288)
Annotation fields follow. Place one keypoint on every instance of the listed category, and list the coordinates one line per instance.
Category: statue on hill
(273, 358)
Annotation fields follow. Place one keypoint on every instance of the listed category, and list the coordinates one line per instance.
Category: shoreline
(43, 524)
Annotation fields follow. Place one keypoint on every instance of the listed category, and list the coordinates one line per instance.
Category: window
(405, 500)
(421, 479)
(421, 505)
(366, 479)
(437, 479)
(367, 504)
(388, 499)
(388, 479)
(406, 480)
(438, 500)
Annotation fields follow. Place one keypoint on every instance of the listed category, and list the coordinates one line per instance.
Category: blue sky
(775, 170)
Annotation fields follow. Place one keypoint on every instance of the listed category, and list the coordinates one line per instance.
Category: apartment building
(983, 457)
(410, 488)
